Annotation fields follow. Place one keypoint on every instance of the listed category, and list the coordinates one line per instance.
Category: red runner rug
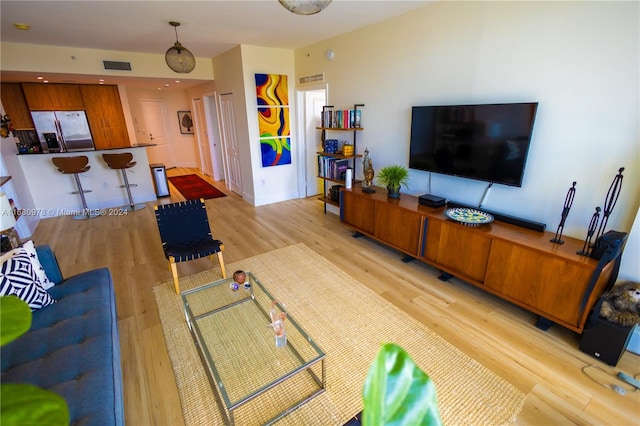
(193, 187)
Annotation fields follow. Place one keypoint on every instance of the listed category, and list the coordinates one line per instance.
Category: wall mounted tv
(488, 142)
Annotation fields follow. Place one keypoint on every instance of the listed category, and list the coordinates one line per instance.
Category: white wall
(579, 60)
(275, 183)
(235, 73)
(184, 145)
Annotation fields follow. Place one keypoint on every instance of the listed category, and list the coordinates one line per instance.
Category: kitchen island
(53, 192)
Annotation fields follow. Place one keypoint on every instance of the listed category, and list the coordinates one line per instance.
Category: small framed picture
(185, 120)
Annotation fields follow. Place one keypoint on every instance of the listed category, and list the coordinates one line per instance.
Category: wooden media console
(519, 265)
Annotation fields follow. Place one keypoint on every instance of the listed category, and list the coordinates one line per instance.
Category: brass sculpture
(368, 172)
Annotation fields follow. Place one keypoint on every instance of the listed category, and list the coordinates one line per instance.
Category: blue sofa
(73, 347)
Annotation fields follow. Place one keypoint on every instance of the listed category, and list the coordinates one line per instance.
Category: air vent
(115, 65)
(311, 79)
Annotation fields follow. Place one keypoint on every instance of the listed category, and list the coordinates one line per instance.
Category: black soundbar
(518, 221)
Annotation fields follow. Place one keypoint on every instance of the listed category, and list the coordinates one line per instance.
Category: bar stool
(74, 166)
(122, 162)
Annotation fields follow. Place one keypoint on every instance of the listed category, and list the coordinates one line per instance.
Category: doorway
(209, 101)
(233, 176)
(311, 100)
(156, 120)
(202, 138)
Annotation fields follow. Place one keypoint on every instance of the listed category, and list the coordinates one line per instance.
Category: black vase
(391, 193)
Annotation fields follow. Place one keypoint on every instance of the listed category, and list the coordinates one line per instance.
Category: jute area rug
(349, 322)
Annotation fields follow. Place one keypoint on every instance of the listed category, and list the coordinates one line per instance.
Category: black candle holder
(610, 201)
(568, 202)
(592, 229)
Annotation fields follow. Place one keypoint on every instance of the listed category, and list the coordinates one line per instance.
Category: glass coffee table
(255, 378)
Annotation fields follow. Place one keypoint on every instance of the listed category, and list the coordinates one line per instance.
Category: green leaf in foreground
(15, 319)
(22, 404)
(397, 392)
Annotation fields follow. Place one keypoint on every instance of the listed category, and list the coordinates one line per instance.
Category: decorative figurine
(277, 323)
(240, 278)
(592, 228)
(568, 202)
(367, 171)
(610, 201)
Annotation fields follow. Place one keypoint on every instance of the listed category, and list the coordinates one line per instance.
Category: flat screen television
(487, 142)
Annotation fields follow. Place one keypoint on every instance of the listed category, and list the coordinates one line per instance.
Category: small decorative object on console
(592, 229)
(367, 171)
(468, 217)
(568, 202)
(610, 200)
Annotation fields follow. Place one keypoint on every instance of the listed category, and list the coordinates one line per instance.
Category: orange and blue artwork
(272, 90)
(275, 152)
(273, 122)
(273, 119)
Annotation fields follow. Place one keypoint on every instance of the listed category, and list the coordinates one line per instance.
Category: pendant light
(304, 7)
(178, 57)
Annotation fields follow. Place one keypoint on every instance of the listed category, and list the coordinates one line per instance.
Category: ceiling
(208, 28)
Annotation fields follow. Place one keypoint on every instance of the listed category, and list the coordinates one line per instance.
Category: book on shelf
(341, 119)
(332, 168)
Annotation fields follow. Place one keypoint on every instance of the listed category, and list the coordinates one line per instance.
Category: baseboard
(501, 217)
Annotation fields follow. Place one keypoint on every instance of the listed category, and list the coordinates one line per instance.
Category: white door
(316, 99)
(215, 147)
(156, 121)
(202, 138)
(311, 99)
(230, 143)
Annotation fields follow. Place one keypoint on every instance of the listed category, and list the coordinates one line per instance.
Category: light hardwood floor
(546, 366)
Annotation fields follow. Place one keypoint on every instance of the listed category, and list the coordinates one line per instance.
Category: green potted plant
(397, 392)
(392, 178)
(21, 403)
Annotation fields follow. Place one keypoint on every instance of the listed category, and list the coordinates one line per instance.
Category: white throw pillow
(29, 249)
(43, 280)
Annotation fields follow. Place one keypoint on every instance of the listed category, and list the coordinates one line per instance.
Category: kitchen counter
(52, 191)
(81, 151)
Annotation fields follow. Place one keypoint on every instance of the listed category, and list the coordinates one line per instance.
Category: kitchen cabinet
(516, 264)
(53, 97)
(106, 119)
(15, 106)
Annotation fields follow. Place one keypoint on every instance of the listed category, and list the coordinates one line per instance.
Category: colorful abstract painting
(273, 119)
(275, 151)
(273, 122)
(272, 90)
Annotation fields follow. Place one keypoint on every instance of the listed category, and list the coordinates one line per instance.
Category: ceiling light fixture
(305, 7)
(178, 57)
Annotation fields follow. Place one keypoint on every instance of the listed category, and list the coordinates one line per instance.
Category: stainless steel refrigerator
(63, 131)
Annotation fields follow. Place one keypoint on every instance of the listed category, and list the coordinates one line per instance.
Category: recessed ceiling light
(45, 81)
(40, 78)
(166, 85)
(177, 81)
(23, 27)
